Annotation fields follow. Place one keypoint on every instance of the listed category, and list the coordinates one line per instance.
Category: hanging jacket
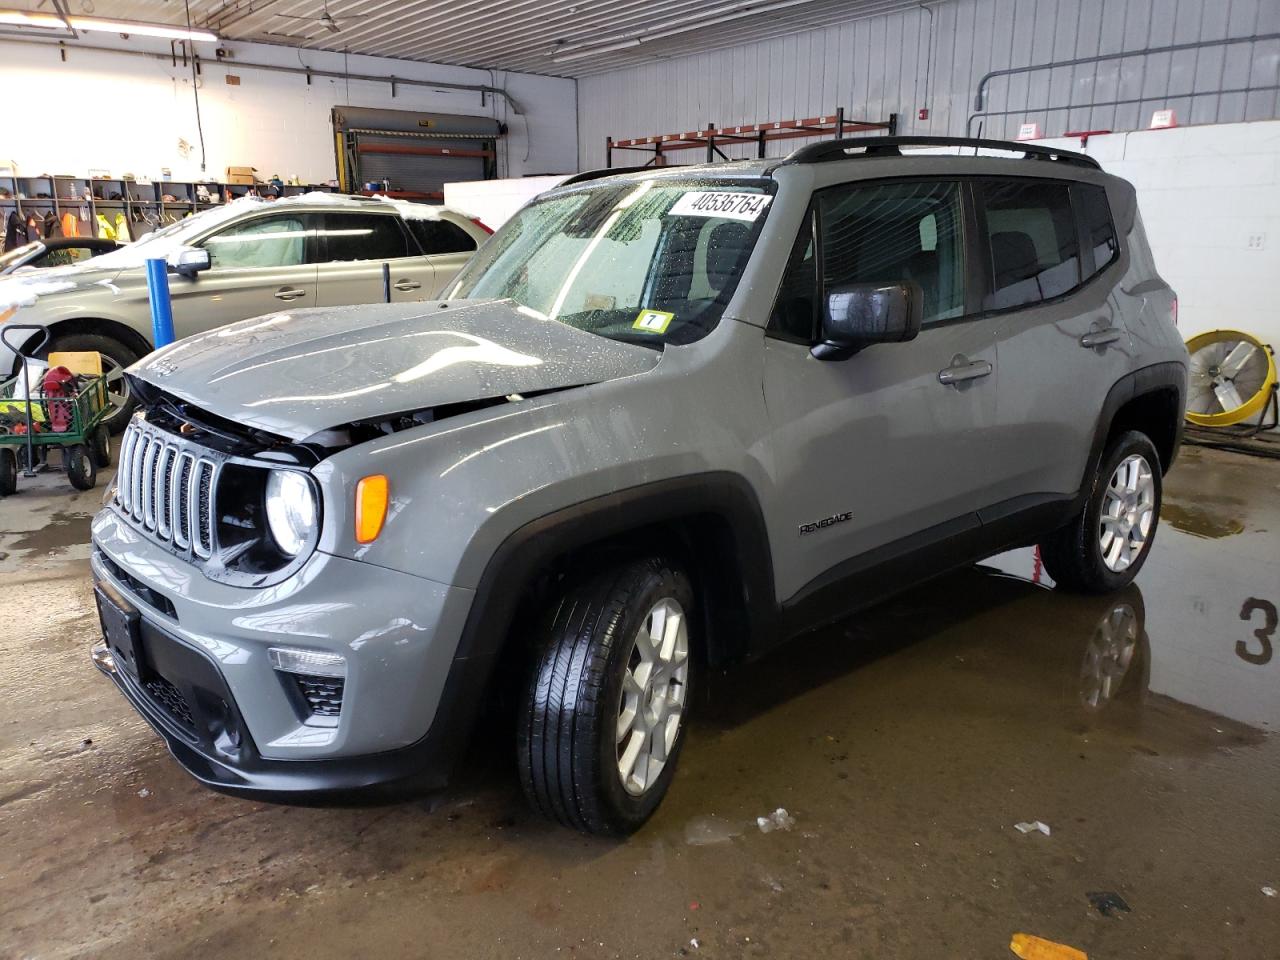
(34, 223)
(52, 226)
(122, 228)
(70, 225)
(105, 229)
(15, 233)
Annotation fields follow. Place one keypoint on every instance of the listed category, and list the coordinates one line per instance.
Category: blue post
(161, 306)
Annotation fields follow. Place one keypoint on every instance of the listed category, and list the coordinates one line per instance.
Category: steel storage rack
(712, 138)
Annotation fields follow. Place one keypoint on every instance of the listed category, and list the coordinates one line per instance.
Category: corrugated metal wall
(882, 65)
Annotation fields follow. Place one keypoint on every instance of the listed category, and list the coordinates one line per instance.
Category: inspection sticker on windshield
(653, 321)
(718, 203)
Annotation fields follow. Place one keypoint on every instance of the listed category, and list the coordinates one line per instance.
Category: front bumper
(205, 684)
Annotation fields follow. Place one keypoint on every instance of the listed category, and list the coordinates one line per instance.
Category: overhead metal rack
(713, 138)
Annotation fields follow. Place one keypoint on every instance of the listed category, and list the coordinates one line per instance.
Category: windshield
(653, 261)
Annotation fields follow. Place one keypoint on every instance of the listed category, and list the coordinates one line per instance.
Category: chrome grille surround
(166, 486)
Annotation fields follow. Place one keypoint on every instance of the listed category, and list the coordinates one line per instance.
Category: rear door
(1053, 260)
(257, 265)
(884, 451)
(355, 246)
(447, 246)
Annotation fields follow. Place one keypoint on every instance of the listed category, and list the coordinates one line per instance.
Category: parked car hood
(25, 289)
(295, 374)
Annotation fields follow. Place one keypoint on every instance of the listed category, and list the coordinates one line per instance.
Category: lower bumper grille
(322, 694)
(171, 699)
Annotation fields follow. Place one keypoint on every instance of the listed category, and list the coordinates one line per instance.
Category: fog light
(314, 662)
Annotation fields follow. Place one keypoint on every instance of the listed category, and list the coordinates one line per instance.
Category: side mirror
(188, 261)
(860, 314)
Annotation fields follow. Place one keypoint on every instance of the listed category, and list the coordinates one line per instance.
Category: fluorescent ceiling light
(51, 21)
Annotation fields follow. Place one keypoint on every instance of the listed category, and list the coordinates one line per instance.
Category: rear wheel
(80, 467)
(605, 710)
(8, 472)
(115, 357)
(1107, 543)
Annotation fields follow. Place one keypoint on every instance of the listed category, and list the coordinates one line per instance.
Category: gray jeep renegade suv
(665, 419)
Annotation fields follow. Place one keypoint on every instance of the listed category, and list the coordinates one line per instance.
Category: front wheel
(81, 470)
(605, 710)
(100, 446)
(1105, 545)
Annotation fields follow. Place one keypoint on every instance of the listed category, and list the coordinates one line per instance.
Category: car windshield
(650, 261)
(18, 254)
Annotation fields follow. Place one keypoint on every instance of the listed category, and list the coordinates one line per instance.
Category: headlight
(291, 510)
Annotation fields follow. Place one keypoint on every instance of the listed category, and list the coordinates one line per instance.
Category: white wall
(1209, 196)
(126, 114)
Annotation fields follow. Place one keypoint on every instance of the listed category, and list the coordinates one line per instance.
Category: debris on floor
(1270, 892)
(778, 820)
(1108, 902)
(1029, 947)
(144, 793)
(706, 830)
(1031, 826)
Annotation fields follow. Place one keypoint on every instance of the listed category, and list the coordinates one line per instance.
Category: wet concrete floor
(905, 743)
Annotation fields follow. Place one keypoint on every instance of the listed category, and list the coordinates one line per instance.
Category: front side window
(1031, 234)
(364, 236)
(650, 261)
(262, 242)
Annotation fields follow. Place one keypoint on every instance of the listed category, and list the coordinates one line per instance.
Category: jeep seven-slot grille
(165, 485)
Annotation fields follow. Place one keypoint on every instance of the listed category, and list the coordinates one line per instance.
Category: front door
(256, 266)
(356, 246)
(882, 451)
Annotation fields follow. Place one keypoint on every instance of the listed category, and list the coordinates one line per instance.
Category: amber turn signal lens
(371, 507)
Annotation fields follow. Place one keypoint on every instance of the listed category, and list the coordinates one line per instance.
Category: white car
(244, 259)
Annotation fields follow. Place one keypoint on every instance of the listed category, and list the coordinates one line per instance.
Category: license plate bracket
(120, 626)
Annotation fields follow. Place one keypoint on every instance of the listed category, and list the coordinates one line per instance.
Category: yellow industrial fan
(1232, 378)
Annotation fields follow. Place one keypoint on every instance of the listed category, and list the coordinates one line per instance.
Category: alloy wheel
(1128, 513)
(652, 704)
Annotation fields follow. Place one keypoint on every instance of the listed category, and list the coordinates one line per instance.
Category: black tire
(8, 472)
(100, 446)
(567, 746)
(114, 353)
(81, 470)
(1073, 555)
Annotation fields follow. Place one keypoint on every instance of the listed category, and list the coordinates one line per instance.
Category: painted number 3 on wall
(1265, 633)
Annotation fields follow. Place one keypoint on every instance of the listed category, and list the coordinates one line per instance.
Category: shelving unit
(152, 204)
(712, 138)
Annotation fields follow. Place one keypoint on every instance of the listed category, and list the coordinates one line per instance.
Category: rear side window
(1095, 219)
(440, 236)
(365, 236)
(1034, 248)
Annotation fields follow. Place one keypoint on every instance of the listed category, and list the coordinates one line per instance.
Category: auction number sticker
(719, 203)
(653, 321)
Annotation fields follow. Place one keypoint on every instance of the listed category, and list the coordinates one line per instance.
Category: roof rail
(596, 174)
(829, 150)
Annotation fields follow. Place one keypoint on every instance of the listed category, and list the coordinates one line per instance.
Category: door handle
(1100, 338)
(403, 285)
(962, 370)
(290, 293)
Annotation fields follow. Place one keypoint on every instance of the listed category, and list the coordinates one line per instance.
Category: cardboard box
(240, 175)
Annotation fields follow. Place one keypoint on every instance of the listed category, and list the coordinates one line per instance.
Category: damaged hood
(297, 373)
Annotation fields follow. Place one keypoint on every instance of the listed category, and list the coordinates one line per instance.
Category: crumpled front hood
(297, 373)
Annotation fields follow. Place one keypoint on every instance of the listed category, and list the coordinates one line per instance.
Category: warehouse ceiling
(570, 38)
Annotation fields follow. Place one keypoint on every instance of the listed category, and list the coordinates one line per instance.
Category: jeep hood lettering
(297, 373)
